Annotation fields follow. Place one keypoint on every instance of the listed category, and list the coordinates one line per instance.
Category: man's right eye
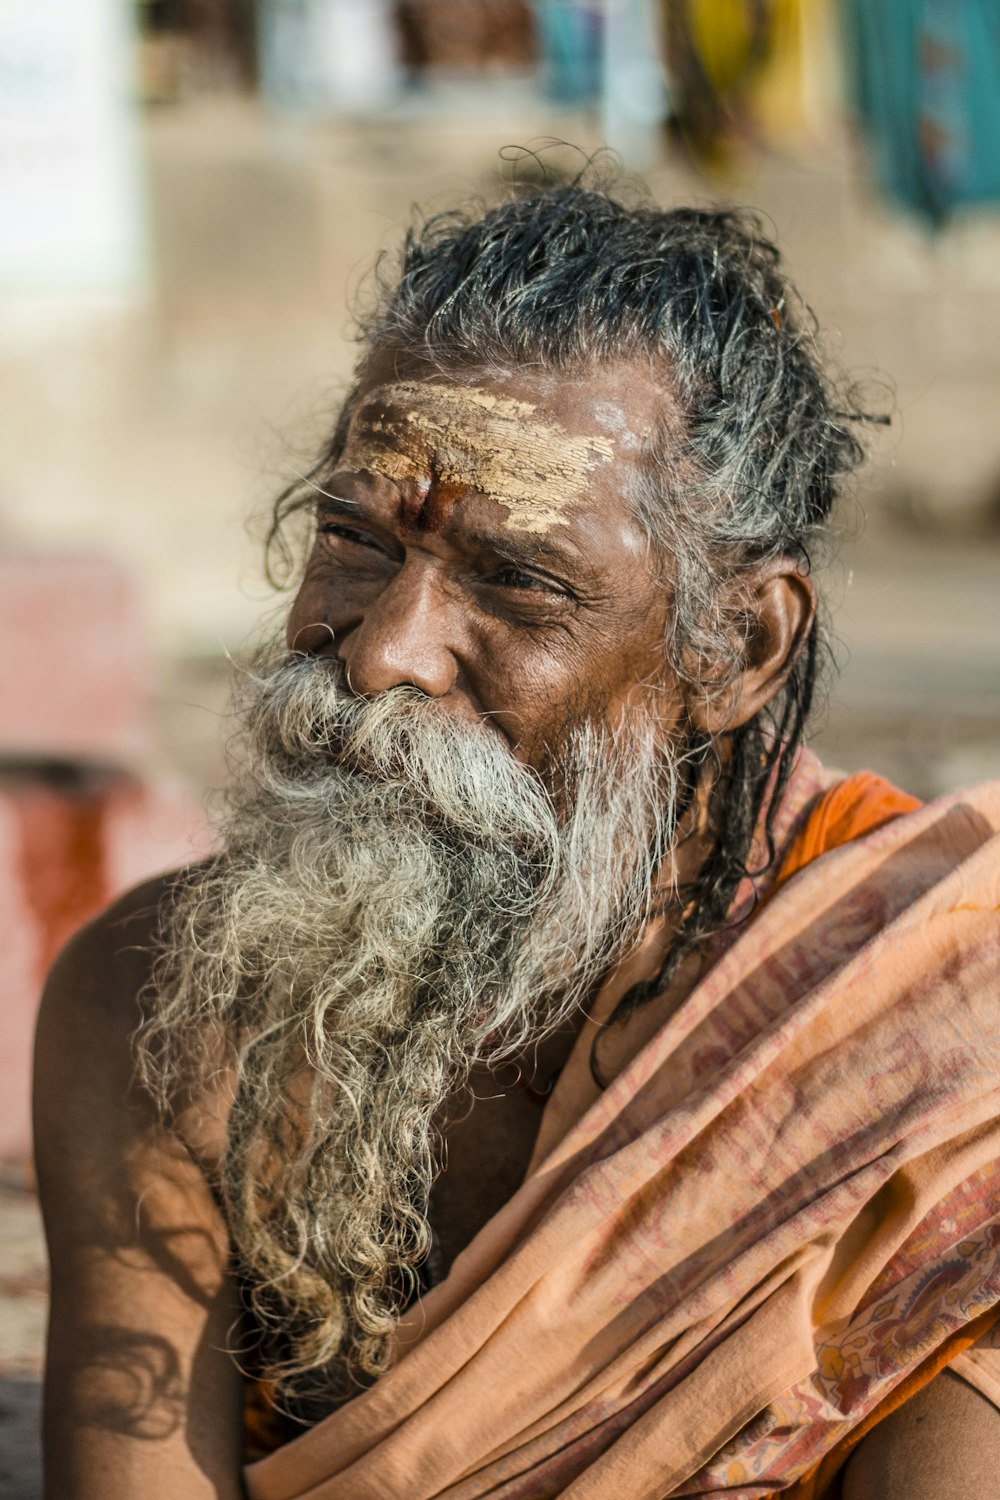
(349, 534)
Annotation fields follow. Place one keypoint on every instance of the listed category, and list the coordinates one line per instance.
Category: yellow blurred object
(779, 98)
(725, 40)
(759, 72)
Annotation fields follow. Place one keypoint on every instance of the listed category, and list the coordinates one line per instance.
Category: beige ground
(154, 432)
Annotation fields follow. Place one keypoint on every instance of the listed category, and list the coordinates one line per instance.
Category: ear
(777, 606)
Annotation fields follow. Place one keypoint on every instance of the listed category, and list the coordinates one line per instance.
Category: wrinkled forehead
(536, 445)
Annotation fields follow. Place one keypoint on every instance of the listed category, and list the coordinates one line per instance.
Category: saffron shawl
(778, 1221)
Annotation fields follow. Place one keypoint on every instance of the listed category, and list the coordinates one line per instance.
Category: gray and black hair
(745, 465)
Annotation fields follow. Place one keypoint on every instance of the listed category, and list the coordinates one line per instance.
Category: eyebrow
(327, 501)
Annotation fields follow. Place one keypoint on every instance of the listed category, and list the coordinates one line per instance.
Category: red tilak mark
(428, 510)
(441, 501)
(413, 497)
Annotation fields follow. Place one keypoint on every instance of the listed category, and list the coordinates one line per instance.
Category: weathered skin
(517, 608)
(425, 578)
(479, 440)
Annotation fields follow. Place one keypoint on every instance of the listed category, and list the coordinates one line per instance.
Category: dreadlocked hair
(753, 446)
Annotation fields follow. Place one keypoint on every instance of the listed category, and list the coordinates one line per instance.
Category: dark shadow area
(130, 1384)
(20, 1446)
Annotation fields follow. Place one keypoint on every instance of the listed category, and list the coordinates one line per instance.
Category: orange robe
(781, 1217)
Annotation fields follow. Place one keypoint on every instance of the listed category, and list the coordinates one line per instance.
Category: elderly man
(558, 1084)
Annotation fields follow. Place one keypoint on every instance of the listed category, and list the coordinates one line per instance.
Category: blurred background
(191, 195)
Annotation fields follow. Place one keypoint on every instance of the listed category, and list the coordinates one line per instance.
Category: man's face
(403, 901)
(474, 542)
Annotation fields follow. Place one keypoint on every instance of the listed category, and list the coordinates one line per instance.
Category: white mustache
(306, 719)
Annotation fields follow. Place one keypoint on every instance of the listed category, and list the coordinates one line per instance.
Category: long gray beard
(399, 900)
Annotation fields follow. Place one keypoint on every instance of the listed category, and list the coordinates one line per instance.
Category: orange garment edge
(823, 1482)
(851, 808)
(855, 806)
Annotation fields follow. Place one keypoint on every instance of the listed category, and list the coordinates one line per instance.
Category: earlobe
(777, 608)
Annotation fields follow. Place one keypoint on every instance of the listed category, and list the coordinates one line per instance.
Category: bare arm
(944, 1444)
(140, 1397)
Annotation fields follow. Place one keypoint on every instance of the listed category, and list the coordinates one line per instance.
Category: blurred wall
(151, 426)
(155, 428)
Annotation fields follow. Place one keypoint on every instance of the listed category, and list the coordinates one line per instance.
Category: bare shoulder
(117, 944)
(943, 1444)
(103, 965)
(88, 1106)
(97, 978)
(83, 1095)
(142, 1303)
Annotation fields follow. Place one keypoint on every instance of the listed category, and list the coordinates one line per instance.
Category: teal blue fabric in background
(569, 36)
(925, 75)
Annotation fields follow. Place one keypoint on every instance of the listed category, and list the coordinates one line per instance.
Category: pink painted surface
(75, 670)
(74, 659)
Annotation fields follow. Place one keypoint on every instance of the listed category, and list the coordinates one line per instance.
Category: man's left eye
(513, 578)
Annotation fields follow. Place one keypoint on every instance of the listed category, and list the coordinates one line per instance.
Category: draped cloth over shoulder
(781, 1216)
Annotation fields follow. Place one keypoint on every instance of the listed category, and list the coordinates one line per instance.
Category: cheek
(648, 687)
(610, 672)
(307, 627)
(527, 687)
(329, 599)
(537, 701)
(636, 689)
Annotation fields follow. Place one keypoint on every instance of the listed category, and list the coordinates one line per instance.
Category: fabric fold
(776, 1213)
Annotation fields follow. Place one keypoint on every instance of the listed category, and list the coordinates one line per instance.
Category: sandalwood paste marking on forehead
(481, 441)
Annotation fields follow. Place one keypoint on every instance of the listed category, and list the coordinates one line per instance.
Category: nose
(404, 637)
